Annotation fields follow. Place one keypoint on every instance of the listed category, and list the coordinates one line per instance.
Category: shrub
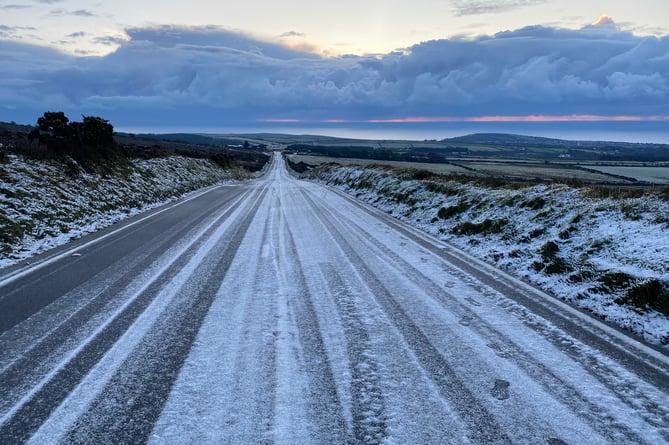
(485, 227)
(534, 203)
(630, 212)
(557, 266)
(615, 280)
(537, 232)
(438, 187)
(580, 276)
(449, 212)
(649, 294)
(421, 175)
(549, 251)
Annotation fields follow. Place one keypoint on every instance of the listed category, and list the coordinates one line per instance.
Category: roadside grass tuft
(581, 276)
(488, 226)
(613, 281)
(549, 250)
(420, 174)
(537, 232)
(440, 187)
(557, 266)
(536, 203)
(449, 212)
(649, 294)
(631, 212)
(551, 263)
(12, 231)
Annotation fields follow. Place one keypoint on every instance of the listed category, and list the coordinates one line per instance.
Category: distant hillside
(507, 139)
(14, 127)
(598, 150)
(188, 138)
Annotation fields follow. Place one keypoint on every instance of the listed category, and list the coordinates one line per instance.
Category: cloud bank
(212, 77)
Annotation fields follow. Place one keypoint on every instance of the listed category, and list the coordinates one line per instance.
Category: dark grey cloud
(292, 34)
(83, 13)
(10, 7)
(209, 76)
(110, 40)
(77, 13)
(474, 7)
(8, 32)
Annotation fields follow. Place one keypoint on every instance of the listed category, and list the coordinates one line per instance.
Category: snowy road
(283, 312)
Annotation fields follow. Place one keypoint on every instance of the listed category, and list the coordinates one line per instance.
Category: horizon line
(493, 118)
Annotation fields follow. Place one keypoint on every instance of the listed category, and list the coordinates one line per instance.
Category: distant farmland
(655, 175)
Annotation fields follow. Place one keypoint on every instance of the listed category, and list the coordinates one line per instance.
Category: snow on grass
(42, 207)
(606, 255)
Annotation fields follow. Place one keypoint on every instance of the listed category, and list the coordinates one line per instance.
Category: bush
(537, 233)
(581, 276)
(449, 212)
(485, 227)
(438, 187)
(612, 281)
(549, 251)
(421, 175)
(534, 203)
(649, 294)
(558, 266)
(90, 142)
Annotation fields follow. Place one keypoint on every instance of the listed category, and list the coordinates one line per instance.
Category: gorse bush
(90, 142)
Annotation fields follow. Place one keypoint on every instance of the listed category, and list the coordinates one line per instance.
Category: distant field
(517, 169)
(508, 169)
(539, 170)
(655, 175)
(442, 169)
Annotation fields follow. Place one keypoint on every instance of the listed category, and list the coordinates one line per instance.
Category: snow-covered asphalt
(281, 311)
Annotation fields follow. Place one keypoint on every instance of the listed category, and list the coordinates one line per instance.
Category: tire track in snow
(368, 410)
(224, 392)
(325, 407)
(131, 402)
(482, 425)
(31, 365)
(36, 406)
(598, 416)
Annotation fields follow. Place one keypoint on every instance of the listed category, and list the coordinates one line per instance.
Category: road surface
(281, 311)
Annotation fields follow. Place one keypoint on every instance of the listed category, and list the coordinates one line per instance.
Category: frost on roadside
(42, 207)
(607, 255)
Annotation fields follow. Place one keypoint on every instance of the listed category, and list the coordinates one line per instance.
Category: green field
(654, 175)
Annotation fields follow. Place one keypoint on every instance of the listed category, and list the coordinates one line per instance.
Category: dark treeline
(418, 154)
(92, 145)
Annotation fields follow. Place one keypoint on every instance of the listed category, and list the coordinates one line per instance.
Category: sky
(224, 64)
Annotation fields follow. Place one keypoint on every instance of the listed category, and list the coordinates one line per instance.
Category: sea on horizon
(656, 132)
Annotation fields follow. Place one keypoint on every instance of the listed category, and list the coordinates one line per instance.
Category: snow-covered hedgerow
(45, 203)
(606, 255)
